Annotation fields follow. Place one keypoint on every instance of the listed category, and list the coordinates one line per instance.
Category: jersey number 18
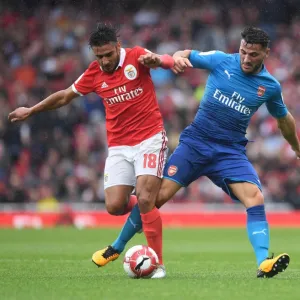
(149, 161)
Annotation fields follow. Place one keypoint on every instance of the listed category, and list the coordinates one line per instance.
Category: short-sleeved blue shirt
(231, 97)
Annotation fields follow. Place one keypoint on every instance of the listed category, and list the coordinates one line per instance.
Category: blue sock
(258, 232)
(131, 227)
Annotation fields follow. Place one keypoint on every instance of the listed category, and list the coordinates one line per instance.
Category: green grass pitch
(201, 264)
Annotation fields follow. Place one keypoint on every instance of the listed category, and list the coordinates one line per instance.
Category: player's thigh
(147, 187)
(149, 163)
(248, 193)
(167, 190)
(116, 198)
(119, 180)
(187, 163)
(234, 173)
(151, 156)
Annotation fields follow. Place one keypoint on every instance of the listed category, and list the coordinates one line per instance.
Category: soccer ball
(140, 261)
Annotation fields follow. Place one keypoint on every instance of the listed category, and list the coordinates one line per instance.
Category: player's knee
(115, 208)
(146, 201)
(162, 198)
(257, 199)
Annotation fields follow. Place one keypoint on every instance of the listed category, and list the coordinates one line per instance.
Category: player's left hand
(181, 63)
(150, 60)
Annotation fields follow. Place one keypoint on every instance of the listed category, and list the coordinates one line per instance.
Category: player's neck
(259, 69)
(117, 65)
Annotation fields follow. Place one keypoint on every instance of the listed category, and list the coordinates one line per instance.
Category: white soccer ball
(140, 261)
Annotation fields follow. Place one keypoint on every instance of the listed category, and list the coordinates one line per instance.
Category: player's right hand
(181, 63)
(19, 114)
(150, 60)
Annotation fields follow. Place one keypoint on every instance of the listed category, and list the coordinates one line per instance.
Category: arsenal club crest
(172, 170)
(261, 91)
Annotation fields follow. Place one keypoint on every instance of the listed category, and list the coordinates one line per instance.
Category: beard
(255, 69)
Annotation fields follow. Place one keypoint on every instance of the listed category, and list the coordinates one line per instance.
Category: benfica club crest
(172, 170)
(130, 72)
(261, 90)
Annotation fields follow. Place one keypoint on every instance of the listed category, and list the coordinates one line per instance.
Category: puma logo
(138, 266)
(262, 231)
(227, 73)
(133, 224)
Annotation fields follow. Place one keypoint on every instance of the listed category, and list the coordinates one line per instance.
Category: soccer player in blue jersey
(214, 144)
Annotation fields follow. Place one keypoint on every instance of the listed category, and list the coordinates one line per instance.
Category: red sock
(131, 203)
(152, 226)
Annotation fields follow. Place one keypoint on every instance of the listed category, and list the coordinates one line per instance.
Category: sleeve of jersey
(85, 83)
(207, 60)
(141, 51)
(276, 106)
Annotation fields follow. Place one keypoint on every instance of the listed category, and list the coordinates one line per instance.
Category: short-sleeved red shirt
(132, 111)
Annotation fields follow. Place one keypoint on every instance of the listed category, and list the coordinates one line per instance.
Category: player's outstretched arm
(182, 61)
(287, 127)
(153, 60)
(54, 101)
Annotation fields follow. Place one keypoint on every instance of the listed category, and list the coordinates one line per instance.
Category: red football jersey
(132, 111)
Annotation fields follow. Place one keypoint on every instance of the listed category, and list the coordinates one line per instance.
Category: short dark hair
(254, 35)
(103, 34)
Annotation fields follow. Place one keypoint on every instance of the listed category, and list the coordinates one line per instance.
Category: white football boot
(160, 272)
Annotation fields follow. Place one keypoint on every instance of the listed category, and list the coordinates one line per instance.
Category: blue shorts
(222, 164)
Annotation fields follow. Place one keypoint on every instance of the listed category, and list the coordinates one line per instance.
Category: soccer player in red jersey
(137, 142)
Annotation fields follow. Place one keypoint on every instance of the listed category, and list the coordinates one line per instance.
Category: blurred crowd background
(59, 156)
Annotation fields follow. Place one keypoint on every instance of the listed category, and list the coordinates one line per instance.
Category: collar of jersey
(122, 58)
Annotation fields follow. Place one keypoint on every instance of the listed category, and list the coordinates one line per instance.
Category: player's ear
(267, 52)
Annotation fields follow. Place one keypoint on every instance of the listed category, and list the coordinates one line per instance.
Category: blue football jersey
(231, 98)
